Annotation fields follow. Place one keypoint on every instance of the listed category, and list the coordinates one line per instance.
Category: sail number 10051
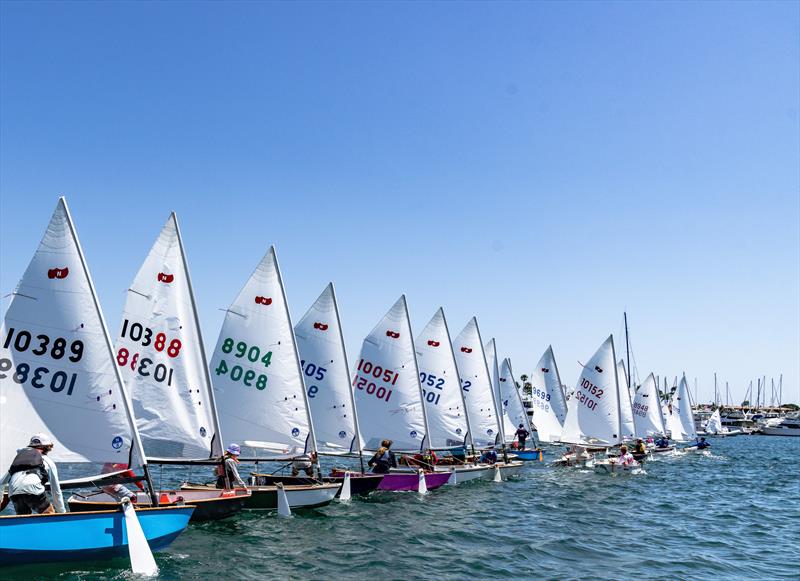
(368, 384)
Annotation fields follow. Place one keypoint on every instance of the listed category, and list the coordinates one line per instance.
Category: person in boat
(701, 444)
(522, 435)
(488, 457)
(625, 458)
(640, 448)
(120, 491)
(662, 442)
(227, 472)
(304, 463)
(384, 459)
(30, 470)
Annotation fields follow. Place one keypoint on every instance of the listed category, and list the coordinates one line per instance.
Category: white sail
(714, 425)
(161, 355)
(514, 412)
(646, 409)
(477, 385)
(672, 422)
(547, 398)
(593, 415)
(441, 386)
(57, 372)
(386, 385)
(492, 362)
(682, 407)
(261, 395)
(323, 359)
(625, 408)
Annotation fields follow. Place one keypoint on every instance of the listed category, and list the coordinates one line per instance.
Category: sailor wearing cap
(26, 478)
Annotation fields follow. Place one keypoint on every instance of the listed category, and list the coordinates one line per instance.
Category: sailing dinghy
(388, 397)
(648, 418)
(549, 404)
(262, 398)
(514, 414)
(479, 394)
(323, 359)
(57, 375)
(444, 402)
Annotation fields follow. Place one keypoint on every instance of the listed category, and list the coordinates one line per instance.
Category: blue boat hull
(526, 454)
(84, 536)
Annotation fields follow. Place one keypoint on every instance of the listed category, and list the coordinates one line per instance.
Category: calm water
(734, 514)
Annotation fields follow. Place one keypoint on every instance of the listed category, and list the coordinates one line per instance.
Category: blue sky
(543, 166)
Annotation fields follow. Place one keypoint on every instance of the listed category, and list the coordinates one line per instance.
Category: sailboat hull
(527, 455)
(360, 484)
(409, 481)
(210, 504)
(83, 536)
(266, 497)
(466, 473)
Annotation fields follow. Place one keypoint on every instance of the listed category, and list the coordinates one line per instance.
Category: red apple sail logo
(263, 300)
(321, 326)
(466, 349)
(545, 370)
(433, 343)
(165, 278)
(597, 369)
(393, 334)
(58, 272)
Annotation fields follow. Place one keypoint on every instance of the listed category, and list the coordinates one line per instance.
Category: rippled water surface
(733, 514)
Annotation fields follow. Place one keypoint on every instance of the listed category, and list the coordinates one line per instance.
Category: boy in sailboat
(522, 435)
(227, 473)
(30, 470)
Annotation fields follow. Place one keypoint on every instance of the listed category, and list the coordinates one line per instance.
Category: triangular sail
(386, 385)
(547, 398)
(477, 385)
(321, 347)
(625, 409)
(514, 412)
(714, 425)
(593, 415)
(682, 408)
(492, 362)
(441, 387)
(161, 355)
(261, 395)
(646, 409)
(57, 372)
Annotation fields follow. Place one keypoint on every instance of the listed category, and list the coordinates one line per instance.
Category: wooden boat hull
(360, 484)
(409, 481)
(210, 504)
(266, 497)
(78, 536)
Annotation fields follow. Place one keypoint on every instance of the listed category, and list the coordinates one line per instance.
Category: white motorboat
(790, 426)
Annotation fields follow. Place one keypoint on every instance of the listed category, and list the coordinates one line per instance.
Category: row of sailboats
(153, 397)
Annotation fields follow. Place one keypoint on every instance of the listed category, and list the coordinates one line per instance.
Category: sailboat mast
(616, 390)
(349, 379)
(627, 350)
(715, 390)
(206, 373)
(137, 441)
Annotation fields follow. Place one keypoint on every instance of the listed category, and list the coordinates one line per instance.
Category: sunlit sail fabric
(261, 395)
(547, 398)
(682, 408)
(646, 409)
(441, 387)
(386, 385)
(160, 352)
(57, 372)
(477, 385)
(514, 412)
(324, 363)
(492, 363)
(625, 408)
(593, 415)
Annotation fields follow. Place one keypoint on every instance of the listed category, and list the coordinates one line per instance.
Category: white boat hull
(780, 431)
(608, 467)
(466, 473)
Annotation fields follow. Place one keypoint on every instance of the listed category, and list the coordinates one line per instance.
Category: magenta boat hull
(399, 481)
